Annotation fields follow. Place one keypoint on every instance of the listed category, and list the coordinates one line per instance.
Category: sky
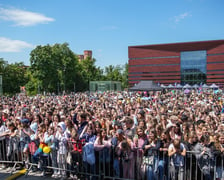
(107, 27)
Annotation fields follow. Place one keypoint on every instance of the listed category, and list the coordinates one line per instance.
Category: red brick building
(188, 62)
(87, 53)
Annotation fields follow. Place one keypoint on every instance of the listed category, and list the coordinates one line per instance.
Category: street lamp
(64, 77)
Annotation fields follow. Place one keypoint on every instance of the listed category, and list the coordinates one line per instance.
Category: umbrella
(186, 91)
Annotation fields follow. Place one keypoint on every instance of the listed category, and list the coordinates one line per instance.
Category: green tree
(54, 67)
(89, 72)
(117, 73)
(124, 82)
(14, 77)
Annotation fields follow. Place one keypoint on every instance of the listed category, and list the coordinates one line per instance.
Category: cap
(142, 112)
(6, 111)
(120, 131)
(26, 121)
(169, 125)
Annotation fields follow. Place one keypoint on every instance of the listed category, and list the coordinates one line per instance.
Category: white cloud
(177, 19)
(23, 18)
(9, 45)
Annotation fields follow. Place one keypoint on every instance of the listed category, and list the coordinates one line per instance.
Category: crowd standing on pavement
(139, 135)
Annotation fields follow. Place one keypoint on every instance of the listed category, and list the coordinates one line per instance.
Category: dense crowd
(140, 134)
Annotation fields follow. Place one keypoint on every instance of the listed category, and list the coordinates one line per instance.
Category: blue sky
(107, 27)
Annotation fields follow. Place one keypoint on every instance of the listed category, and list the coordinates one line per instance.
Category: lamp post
(38, 87)
(58, 87)
(1, 89)
(64, 77)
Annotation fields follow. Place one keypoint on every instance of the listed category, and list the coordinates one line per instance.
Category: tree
(54, 67)
(117, 73)
(124, 82)
(14, 77)
(89, 72)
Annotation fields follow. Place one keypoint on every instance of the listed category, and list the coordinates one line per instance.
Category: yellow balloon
(47, 149)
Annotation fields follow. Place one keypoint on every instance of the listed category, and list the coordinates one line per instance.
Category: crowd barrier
(104, 164)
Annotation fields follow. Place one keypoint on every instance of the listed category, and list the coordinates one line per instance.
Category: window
(193, 67)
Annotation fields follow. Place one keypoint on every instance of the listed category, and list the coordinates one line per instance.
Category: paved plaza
(6, 175)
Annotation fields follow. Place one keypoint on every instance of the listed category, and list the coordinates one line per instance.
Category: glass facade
(104, 86)
(193, 67)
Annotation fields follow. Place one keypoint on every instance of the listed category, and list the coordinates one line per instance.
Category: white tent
(179, 86)
(195, 86)
(205, 86)
(187, 86)
(163, 86)
(214, 86)
(170, 86)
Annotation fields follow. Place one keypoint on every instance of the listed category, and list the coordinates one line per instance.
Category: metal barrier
(106, 164)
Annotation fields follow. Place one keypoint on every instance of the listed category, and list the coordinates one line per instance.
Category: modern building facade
(183, 63)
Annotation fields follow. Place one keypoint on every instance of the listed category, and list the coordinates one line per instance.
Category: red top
(77, 146)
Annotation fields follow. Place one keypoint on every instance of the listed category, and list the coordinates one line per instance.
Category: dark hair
(184, 117)
(39, 118)
(83, 115)
(129, 120)
(204, 138)
(58, 116)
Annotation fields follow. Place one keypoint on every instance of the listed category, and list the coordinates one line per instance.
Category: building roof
(183, 46)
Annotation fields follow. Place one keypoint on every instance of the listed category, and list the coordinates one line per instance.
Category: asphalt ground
(5, 174)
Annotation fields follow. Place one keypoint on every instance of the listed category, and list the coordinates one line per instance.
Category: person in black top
(82, 123)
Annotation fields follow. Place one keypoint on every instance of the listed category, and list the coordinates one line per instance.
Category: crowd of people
(138, 135)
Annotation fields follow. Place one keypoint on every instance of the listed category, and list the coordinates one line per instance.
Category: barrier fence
(83, 161)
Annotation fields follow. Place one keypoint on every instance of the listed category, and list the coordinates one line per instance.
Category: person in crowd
(150, 155)
(50, 141)
(176, 152)
(115, 141)
(25, 132)
(62, 149)
(171, 113)
(82, 123)
(130, 127)
(205, 157)
(3, 133)
(162, 149)
(139, 140)
(125, 151)
(55, 121)
(13, 144)
(219, 155)
(102, 146)
(38, 156)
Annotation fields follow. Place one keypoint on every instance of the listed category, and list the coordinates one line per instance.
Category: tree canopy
(56, 68)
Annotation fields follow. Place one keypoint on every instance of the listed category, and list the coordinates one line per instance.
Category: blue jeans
(116, 166)
(219, 172)
(161, 168)
(150, 172)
